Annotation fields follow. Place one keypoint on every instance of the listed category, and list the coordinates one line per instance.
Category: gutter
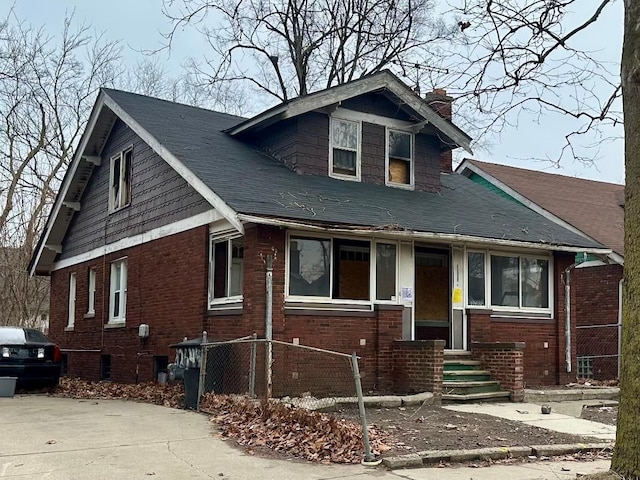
(410, 234)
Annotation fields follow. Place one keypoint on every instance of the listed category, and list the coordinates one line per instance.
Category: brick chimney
(439, 101)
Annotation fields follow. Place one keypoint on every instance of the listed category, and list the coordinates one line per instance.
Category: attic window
(399, 158)
(120, 180)
(345, 149)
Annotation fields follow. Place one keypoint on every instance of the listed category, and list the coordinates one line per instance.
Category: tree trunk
(626, 457)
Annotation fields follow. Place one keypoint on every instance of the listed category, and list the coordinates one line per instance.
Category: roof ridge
(151, 97)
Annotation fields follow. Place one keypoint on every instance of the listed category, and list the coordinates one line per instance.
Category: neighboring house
(168, 213)
(596, 211)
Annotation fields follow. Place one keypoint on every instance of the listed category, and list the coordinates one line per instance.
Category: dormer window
(344, 161)
(399, 158)
(120, 184)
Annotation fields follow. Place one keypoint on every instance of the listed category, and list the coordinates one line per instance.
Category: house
(596, 211)
(168, 213)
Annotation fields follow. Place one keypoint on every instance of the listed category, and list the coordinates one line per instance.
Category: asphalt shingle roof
(592, 207)
(251, 182)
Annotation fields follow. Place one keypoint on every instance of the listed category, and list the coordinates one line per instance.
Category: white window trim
(71, 316)
(412, 165)
(304, 299)
(91, 292)
(341, 176)
(112, 202)
(121, 318)
(218, 238)
(487, 282)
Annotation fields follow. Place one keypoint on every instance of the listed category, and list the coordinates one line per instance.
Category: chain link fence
(598, 352)
(297, 375)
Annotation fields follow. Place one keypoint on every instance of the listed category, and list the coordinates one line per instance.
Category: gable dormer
(373, 130)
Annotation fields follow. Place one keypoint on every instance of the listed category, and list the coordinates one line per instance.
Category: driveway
(57, 438)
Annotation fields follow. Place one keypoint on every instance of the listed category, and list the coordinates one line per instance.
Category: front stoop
(464, 380)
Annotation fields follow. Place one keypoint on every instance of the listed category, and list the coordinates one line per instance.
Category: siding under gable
(159, 196)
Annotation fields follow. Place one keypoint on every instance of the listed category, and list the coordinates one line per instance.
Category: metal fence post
(252, 368)
(269, 325)
(368, 456)
(203, 373)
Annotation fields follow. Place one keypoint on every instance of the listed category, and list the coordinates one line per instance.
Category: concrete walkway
(530, 414)
(66, 439)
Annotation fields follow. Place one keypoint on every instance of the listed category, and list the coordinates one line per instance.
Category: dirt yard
(604, 414)
(413, 429)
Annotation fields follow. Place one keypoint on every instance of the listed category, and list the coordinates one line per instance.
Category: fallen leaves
(166, 395)
(310, 435)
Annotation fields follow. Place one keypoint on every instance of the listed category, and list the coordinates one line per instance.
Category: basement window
(120, 180)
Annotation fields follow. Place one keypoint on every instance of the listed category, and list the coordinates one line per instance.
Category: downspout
(567, 316)
(620, 286)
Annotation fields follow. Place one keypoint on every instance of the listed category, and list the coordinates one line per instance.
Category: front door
(432, 294)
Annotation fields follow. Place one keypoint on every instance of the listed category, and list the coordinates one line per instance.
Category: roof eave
(412, 234)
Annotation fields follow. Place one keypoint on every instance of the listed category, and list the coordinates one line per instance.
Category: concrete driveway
(57, 438)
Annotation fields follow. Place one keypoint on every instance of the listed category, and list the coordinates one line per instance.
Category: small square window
(399, 157)
(345, 148)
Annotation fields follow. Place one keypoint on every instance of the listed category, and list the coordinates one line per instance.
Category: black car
(27, 354)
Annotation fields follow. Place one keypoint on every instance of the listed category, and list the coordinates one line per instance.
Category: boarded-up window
(400, 157)
(351, 269)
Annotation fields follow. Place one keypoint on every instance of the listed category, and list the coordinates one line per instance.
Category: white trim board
(155, 234)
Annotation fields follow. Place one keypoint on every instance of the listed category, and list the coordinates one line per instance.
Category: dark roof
(253, 183)
(595, 208)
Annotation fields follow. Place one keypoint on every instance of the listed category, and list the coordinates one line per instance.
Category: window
(338, 269)
(120, 182)
(385, 271)
(399, 158)
(514, 282)
(71, 319)
(585, 367)
(225, 269)
(345, 149)
(476, 278)
(118, 292)
(105, 367)
(91, 292)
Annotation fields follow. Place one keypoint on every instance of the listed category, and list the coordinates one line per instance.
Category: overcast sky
(138, 23)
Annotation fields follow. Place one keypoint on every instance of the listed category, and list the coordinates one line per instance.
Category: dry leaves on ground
(313, 436)
(170, 395)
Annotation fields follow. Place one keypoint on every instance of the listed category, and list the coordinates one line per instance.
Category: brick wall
(418, 367)
(544, 339)
(166, 289)
(505, 361)
(595, 293)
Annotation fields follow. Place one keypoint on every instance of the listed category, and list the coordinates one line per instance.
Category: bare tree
(47, 87)
(288, 48)
(529, 57)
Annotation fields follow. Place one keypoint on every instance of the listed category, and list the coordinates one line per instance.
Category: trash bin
(188, 357)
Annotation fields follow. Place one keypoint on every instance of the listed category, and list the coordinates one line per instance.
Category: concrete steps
(464, 380)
